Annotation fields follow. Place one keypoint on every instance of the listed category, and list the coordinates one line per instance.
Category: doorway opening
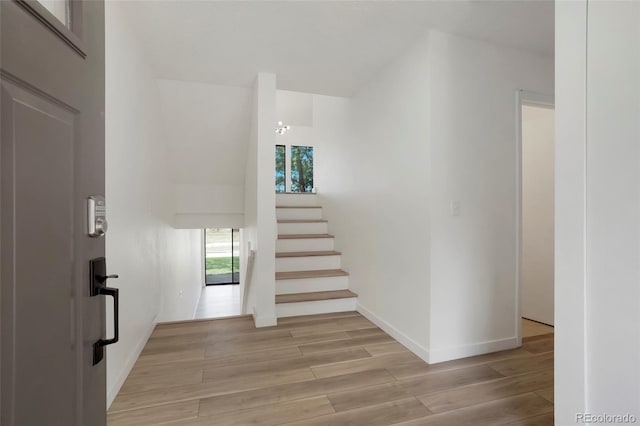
(221, 256)
(220, 295)
(536, 129)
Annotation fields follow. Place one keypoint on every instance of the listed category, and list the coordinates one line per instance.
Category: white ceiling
(318, 46)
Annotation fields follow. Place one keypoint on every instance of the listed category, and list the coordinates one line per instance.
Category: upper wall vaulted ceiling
(326, 47)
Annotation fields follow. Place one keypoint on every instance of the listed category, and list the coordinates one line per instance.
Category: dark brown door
(51, 160)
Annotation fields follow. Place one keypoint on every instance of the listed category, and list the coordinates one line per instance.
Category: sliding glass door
(222, 254)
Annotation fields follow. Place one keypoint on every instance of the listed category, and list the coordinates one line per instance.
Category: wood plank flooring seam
(486, 396)
(538, 337)
(506, 410)
(294, 341)
(379, 378)
(328, 369)
(502, 377)
(494, 357)
(203, 395)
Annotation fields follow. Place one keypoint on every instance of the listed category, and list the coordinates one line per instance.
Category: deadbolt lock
(96, 216)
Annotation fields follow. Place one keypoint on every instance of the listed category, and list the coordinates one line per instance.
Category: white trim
(263, 321)
(438, 355)
(203, 273)
(113, 390)
(203, 257)
(523, 97)
(536, 99)
(195, 308)
(402, 338)
(457, 352)
(287, 167)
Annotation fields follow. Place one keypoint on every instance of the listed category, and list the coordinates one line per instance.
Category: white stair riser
(307, 263)
(303, 228)
(296, 200)
(304, 244)
(316, 307)
(310, 285)
(299, 213)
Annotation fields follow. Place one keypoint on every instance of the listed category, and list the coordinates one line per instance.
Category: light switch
(455, 208)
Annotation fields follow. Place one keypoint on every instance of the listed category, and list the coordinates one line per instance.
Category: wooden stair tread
(302, 221)
(315, 296)
(308, 253)
(298, 207)
(320, 273)
(302, 236)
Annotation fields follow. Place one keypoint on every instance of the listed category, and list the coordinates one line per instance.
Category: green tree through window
(281, 168)
(301, 168)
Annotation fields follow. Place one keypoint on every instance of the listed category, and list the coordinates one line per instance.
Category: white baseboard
(263, 321)
(456, 352)
(434, 356)
(112, 391)
(406, 341)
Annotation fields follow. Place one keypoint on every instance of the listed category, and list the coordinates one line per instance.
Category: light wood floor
(533, 328)
(332, 369)
(217, 301)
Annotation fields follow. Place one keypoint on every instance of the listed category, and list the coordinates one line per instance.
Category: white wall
(260, 230)
(570, 168)
(613, 207)
(296, 136)
(597, 210)
(372, 171)
(473, 163)
(434, 127)
(207, 130)
(294, 108)
(249, 231)
(159, 267)
(536, 274)
(209, 205)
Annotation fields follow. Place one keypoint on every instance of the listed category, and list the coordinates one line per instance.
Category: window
(301, 168)
(222, 250)
(60, 9)
(281, 169)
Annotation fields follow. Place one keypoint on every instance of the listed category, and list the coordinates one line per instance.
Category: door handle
(99, 279)
(98, 347)
(106, 277)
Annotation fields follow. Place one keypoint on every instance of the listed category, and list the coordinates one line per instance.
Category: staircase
(308, 275)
